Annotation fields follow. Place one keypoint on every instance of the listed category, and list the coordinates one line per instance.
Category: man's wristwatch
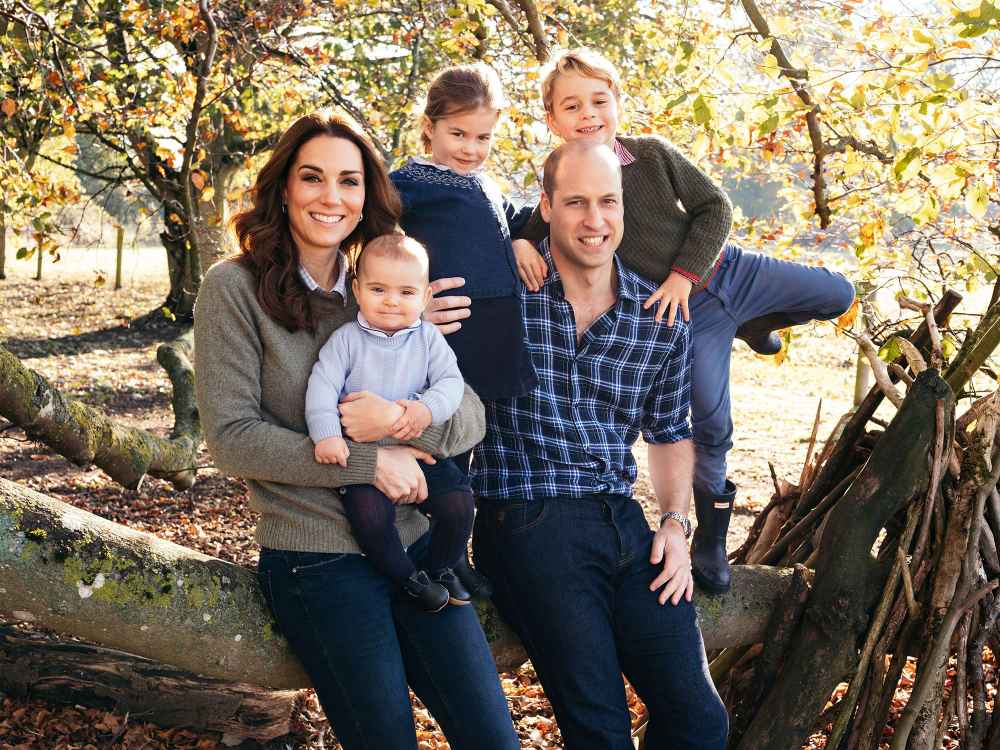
(682, 520)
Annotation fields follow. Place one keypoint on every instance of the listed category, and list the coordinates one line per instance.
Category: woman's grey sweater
(251, 375)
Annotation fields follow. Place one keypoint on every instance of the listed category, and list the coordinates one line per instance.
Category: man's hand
(398, 476)
(531, 266)
(366, 417)
(416, 418)
(332, 450)
(445, 312)
(672, 294)
(670, 547)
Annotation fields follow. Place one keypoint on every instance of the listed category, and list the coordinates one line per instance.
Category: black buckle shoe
(475, 583)
(457, 593)
(431, 596)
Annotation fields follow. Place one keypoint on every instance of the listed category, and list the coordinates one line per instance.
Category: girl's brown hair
(265, 240)
(460, 89)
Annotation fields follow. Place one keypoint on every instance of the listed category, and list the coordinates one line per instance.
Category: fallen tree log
(39, 667)
(74, 572)
(86, 435)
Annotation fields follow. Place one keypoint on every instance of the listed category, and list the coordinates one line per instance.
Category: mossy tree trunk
(86, 435)
(74, 572)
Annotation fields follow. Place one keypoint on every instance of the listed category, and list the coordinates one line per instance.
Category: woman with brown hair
(260, 321)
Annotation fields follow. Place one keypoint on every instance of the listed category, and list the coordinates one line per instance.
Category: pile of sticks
(922, 584)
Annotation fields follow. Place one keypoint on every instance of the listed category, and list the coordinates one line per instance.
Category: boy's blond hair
(582, 61)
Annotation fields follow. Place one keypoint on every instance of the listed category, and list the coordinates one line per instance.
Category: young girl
(677, 222)
(453, 208)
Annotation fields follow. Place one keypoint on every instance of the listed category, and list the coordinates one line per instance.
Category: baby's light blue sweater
(414, 363)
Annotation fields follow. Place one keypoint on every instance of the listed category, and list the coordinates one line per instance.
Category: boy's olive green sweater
(676, 217)
(251, 377)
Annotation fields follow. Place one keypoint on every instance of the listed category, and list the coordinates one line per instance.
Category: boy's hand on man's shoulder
(672, 295)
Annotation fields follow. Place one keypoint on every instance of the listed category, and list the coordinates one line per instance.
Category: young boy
(677, 221)
(390, 351)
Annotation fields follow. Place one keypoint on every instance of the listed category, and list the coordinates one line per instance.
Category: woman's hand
(531, 266)
(446, 312)
(672, 294)
(398, 475)
(366, 417)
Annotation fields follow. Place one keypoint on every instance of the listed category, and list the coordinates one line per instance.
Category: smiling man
(592, 591)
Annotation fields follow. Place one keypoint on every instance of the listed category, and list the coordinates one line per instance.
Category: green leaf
(675, 102)
(901, 167)
(948, 347)
(891, 350)
(702, 112)
(22, 253)
(769, 125)
(974, 30)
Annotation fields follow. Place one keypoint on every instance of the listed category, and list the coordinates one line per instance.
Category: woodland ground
(76, 333)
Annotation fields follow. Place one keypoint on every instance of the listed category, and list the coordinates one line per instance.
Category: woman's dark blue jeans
(361, 642)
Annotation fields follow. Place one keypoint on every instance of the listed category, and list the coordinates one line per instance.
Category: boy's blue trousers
(745, 286)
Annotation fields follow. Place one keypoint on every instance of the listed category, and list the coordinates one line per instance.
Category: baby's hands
(672, 294)
(416, 418)
(332, 450)
(531, 266)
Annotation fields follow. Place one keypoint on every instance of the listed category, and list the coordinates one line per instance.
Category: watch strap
(684, 521)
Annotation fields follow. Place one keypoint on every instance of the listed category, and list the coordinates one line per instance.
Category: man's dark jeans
(361, 641)
(572, 577)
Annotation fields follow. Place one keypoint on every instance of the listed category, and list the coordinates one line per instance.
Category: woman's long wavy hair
(265, 240)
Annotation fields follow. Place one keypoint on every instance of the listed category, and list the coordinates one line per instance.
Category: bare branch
(880, 371)
(536, 28)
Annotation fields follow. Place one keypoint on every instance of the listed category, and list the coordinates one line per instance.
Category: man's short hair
(582, 61)
(394, 247)
(574, 149)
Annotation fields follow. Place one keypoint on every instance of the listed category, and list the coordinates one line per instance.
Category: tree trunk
(85, 435)
(69, 570)
(212, 225)
(183, 268)
(43, 668)
(848, 579)
(179, 304)
(3, 247)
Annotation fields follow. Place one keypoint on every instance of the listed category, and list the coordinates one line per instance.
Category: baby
(391, 352)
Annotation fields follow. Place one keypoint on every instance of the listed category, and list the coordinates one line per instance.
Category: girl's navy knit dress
(466, 225)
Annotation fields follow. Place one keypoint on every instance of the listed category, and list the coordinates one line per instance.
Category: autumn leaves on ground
(76, 333)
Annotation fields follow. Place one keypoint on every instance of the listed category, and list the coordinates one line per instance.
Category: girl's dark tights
(372, 517)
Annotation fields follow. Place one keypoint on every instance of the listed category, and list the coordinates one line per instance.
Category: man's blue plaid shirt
(572, 435)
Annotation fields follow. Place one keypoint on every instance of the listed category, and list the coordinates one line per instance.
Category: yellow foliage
(977, 199)
(846, 321)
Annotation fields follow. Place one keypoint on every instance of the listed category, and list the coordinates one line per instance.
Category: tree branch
(536, 28)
